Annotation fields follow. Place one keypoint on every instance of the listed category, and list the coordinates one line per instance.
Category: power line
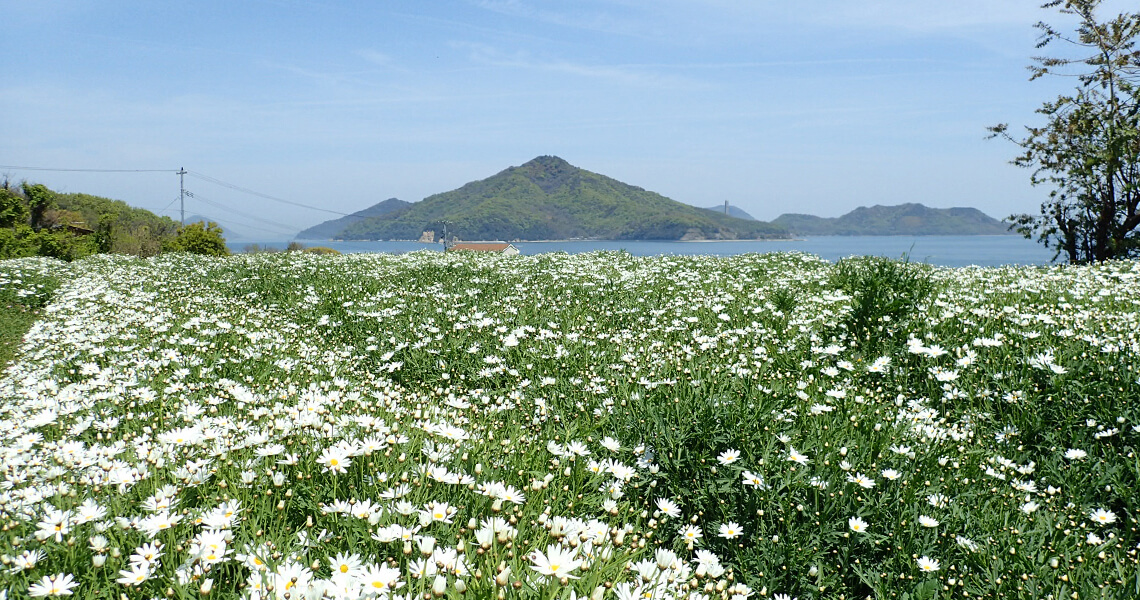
(259, 194)
(255, 218)
(244, 226)
(166, 209)
(169, 205)
(271, 231)
(88, 170)
(182, 172)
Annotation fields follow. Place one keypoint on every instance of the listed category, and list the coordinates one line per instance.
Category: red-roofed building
(500, 247)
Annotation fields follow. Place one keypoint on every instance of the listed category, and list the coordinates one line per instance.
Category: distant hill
(332, 229)
(548, 198)
(904, 219)
(732, 212)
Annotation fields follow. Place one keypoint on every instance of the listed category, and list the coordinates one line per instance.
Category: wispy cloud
(632, 75)
(629, 19)
(379, 59)
(930, 16)
(661, 19)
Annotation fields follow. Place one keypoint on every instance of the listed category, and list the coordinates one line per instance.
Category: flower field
(594, 426)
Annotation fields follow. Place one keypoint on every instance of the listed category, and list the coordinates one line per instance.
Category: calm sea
(941, 250)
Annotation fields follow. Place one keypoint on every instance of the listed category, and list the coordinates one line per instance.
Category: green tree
(13, 210)
(40, 199)
(17, 242)
(103, 235)
(1088, 150)
(199, 238)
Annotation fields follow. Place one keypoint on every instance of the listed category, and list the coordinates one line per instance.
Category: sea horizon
(942, 250)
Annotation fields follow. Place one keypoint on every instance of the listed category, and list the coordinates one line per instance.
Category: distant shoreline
(656, 241)
(565, 241)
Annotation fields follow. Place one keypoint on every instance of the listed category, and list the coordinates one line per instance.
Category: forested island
(546, 198)
(549, 199)
(904, 219)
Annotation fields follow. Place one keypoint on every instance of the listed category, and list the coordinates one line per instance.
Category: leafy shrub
(197, 238)
(884, 293)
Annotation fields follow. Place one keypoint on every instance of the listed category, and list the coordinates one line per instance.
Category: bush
(197, 238)
(16, 242)
(885, 293)
(13, 211)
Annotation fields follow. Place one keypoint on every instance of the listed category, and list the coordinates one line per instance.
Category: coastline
(654, 241)
(949, 251)
(586, 240)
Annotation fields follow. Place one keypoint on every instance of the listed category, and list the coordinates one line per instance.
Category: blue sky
(814, 107)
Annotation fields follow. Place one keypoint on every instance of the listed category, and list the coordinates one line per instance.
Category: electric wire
(166, 211)
(169, 205)
(219, 205)
(231, 186)
(88, 170)
(203, 177)
(248, 226)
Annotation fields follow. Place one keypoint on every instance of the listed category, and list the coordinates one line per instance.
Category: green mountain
(548, 198)
(331, 229)
(904, 219)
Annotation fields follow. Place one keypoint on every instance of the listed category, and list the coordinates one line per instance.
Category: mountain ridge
(329, 229)
(902, 219)
(548, 198)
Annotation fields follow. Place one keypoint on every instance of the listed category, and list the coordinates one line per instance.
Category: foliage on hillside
(904, 219)
(28, 226)
(131, 230)
(548, 198)
(36, 221)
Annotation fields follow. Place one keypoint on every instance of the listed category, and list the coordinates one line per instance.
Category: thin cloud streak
(628, 75)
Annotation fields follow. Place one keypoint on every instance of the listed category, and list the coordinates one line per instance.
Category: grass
(15, 319)
(600, 425)
(25, 287)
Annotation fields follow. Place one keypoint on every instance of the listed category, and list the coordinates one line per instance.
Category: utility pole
(182, 194)
(446, 244)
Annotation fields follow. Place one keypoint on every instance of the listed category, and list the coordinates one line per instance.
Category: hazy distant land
(549, 199)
